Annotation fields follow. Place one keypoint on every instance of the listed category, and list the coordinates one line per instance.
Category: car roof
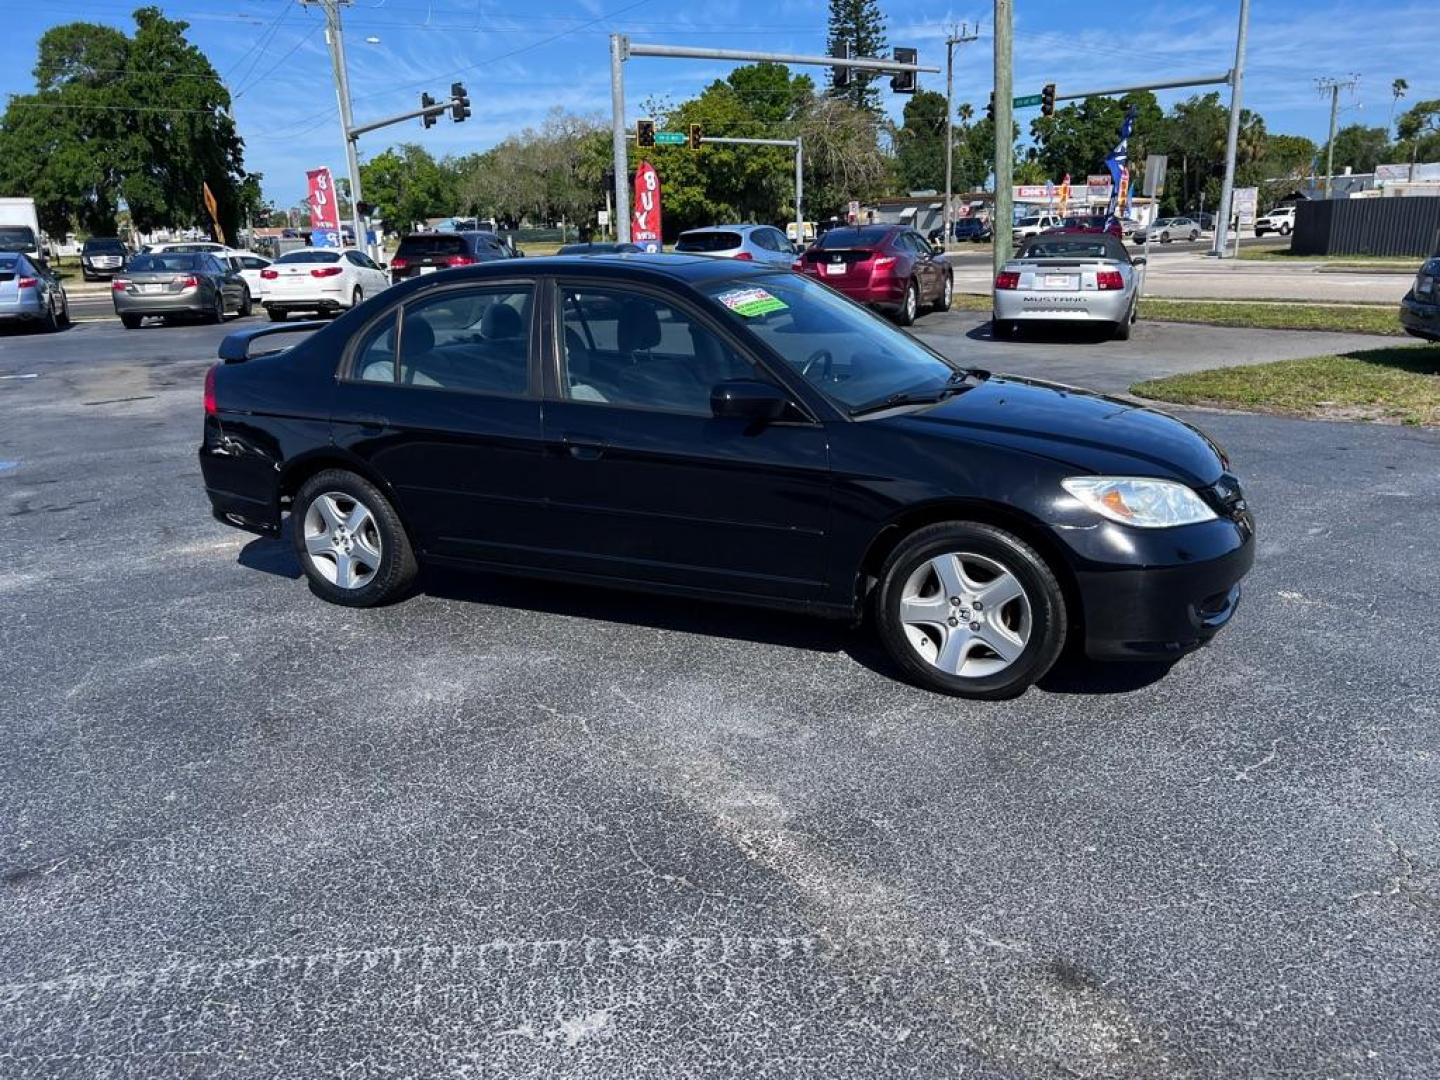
(727, 228)
(677, 267)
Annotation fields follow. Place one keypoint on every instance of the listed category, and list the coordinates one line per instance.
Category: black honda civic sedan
(727, 431)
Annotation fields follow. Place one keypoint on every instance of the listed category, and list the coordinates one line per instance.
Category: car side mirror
(383, 266)
(1139, 260)
(748, 399)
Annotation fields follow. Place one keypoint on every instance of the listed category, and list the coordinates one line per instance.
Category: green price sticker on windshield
(752, 302)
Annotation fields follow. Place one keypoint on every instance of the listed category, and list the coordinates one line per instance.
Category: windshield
(18, 238)
(309, 257)
(853, 357)
(163, 263)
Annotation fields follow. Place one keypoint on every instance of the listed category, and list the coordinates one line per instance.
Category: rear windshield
(9, 266)
(1100, 246)
(708, 241)
(17, 238)
(432, 244)
(848, 238)
(187, 248)
(166, 262)
(309, 257)
(105, 246)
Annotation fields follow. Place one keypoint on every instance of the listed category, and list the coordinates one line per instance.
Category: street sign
(671, 138)
(1243, 204)
(1155, 175)
(1027, 101)
(602, 218)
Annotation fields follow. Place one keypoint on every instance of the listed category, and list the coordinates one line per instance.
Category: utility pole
(336, 40)
(1333, 88)
(950, 42)
(1002, 220)
(1232, 137)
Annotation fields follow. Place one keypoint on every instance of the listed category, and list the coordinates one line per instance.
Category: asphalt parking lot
(508, 829)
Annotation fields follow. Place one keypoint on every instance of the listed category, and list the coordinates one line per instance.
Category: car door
(376, 280)
(926, 268)
(224, 279)
(779, 248)
(646, 485)
(439, 397)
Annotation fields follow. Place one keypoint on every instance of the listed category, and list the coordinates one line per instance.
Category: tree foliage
(408, 185)
(140, 121)
(1358, 147)
(860, 24)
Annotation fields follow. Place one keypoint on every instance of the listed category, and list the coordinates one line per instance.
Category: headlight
(1140, 501)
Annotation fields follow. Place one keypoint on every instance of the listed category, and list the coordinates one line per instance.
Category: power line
(275, 66)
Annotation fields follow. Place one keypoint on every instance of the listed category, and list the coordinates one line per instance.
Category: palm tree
(1397, 91)
(966, 112)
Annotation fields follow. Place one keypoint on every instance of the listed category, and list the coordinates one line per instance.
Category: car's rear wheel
(970, 610)
(64, 310)
(216, 314)
(909, 305)
(1164, 238)
(1122, 328)
(350, 541)
(131, 322)
(1003, 328)
(357, 298)
(277, 314)
(246, 304)
(51, 321)
(1284, 230)
(947, 294)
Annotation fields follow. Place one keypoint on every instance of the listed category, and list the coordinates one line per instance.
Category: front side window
(475, 339)
(853, 357)
(641, 352)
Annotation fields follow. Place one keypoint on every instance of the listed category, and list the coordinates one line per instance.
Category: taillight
(798, 264)
(399, 263)
(1109, 279)
(269, 275)
(27, 282)
(191, 282)
(1007, 279)
(210, 407)
(120, 284)
(744, 256)
(884, 262)
(327, 271)
(459, 260)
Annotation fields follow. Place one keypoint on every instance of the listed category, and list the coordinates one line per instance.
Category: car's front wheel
(350, 540)
(970, 610)
(1284, 230)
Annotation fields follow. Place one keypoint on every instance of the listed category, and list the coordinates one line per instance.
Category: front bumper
(1420, 318)
(1110, 306)
(1179, 591)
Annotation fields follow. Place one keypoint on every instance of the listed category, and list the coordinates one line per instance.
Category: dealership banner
(645, 230)
(324, 211)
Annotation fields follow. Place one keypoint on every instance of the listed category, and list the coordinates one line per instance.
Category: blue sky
(519, 59)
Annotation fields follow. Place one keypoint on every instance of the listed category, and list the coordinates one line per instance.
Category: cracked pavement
(513, 829)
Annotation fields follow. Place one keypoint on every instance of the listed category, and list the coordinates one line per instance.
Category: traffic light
(428, 120)
(1047, 100)
(990, 109)
(459, 102)
(840, 76)
(903, 82)
(645, 133)
(694, 136)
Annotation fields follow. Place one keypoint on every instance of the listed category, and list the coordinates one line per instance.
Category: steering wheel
(821, 357)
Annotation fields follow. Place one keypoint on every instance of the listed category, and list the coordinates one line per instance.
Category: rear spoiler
(235, 349)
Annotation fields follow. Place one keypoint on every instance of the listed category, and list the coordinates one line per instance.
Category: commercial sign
(1244, 201)
(645, 229)
(1385, 174)
(324, 211)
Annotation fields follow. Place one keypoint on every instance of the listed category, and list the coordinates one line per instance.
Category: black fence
(1380, 226)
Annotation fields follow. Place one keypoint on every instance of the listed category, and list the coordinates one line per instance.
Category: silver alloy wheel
(912, 300)
(343, 540)
(949, 289)
(966, 614)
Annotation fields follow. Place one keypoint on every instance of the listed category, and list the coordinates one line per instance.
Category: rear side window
(309, 257)
(475, 339)
(375, 356)
(708, 241)
(432, 244)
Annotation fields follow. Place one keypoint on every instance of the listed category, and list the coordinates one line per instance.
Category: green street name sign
(1019, 103)
(679, 138)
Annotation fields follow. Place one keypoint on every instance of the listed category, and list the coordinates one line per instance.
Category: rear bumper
(885, 292)
(26, 308)
(188, 303)
(1111, 306)
(320, 300)
(1163, 612)
(1420, 318)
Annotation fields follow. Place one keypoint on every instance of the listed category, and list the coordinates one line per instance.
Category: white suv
(1280, 220)
(1035, 225)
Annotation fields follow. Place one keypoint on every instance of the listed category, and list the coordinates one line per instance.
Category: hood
(1087, 431)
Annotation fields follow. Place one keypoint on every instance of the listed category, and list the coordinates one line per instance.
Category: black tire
(356, 298)
(909, 306)
(64, 310)
(51, 322)
(131, 322)
(277, 314)
(247, 306)
(1042, 593)
(216, 314)
(1194, 236)
(1003, 329)
(1164, 238)
(397, 568)
(947, 294)
(1122, 328)
(1284, 230)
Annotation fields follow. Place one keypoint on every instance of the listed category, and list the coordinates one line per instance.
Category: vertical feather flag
(1118, 161)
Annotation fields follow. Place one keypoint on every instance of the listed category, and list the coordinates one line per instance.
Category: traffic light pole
(621, 49)
(799, 171)
(1002, 218)
(335, 38)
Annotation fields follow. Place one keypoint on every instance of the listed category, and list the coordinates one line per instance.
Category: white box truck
(20, 226)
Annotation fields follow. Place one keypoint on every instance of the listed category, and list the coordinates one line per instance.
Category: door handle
(582, 448)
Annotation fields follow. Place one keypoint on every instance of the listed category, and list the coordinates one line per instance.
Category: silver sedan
(1068, 277)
